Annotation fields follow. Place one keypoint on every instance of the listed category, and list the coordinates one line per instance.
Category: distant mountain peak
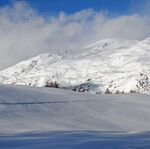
(112, 64)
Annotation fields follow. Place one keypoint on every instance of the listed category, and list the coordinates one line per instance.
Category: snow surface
(35, 117)
(111, 63)
(25, 109)
(76, 140)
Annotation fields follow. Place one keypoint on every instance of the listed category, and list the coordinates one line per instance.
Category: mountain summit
(111, 64)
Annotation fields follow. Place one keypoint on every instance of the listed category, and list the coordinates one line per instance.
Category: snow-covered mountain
(119, 65)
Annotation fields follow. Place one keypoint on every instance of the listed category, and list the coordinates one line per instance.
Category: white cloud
(24, 33)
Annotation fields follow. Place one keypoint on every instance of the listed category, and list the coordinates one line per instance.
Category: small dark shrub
(119, 92)
(98, 92)
(108, 91)
(74, 89)
(132, 91)
(52, 84)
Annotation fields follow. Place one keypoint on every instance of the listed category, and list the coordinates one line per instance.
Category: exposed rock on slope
(118, 65)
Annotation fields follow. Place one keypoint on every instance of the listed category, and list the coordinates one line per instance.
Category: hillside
(119, 65)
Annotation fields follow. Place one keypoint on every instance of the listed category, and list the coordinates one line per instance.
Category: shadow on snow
(76, 140)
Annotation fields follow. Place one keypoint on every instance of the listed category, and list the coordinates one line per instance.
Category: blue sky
(70, 6)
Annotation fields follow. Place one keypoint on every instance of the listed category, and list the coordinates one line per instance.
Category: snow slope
(111, 63)
(76, 140)
(35, 109)
(35, 117)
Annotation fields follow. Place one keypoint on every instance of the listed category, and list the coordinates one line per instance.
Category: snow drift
(36, 109)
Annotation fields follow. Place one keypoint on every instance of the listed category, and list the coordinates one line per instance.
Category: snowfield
(35, 117)
(118, 65)
(25, 109)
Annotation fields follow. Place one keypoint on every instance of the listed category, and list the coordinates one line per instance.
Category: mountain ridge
(114, 64)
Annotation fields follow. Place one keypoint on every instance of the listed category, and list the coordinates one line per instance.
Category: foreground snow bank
(25, 109)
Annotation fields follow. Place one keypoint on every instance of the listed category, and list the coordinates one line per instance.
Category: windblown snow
(35, 109)
(119, 65)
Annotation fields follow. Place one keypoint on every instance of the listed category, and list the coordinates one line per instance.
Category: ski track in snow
(46, 102)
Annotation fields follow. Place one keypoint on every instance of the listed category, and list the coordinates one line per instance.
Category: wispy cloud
(25, 33)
